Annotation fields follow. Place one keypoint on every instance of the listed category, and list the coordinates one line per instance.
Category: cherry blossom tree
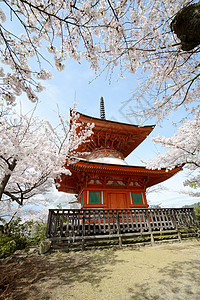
(134, 35)
(33, 153)
(183, 150)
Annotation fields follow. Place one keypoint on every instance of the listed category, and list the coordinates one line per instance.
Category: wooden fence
(74, 225)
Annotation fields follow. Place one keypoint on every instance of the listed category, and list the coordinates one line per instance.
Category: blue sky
(77, 83)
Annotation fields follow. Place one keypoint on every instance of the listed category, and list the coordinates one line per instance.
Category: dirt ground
(167, 271)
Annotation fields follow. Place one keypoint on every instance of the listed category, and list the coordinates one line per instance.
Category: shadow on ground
(19, 280)
(35, 277)
(177, 281)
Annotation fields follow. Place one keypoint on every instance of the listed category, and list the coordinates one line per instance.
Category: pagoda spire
(102, 109)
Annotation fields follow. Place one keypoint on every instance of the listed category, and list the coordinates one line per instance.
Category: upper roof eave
(131, 135)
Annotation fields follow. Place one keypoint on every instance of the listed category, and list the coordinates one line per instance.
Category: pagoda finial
(102, 109)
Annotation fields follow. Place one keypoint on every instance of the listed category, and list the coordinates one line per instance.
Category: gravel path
(167, 271)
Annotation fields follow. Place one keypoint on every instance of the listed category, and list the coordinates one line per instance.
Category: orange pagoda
(103, 179)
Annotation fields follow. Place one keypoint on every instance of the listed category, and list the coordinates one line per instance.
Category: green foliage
(20, 236)
(38, 233)
(59, 206)
(11, 243)
(7, 246)
(197, 211)
(194, 185)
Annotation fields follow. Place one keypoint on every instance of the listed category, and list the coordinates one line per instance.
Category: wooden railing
(84, 224)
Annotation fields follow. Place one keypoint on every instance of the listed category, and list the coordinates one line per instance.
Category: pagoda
(102, 179)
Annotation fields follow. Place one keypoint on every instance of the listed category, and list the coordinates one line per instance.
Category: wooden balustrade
(84, 224)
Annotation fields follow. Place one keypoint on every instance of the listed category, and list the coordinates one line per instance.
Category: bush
(38, 233)
(19, 236)
(7, 246)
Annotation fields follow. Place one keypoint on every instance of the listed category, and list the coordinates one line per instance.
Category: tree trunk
(6, 178)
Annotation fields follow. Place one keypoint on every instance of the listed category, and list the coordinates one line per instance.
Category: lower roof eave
(152, 177)
(84, 165)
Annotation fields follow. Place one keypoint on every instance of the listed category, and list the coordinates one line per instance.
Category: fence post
(147, 213)
(47, 234)
(83, 232)
(118, 228)
(175, 223)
